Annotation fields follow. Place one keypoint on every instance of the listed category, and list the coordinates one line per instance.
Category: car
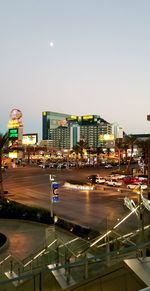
(92, 178)
(135, 186)
(108, 166)
(43, 166)
(131, 180)
(100, 180)
(61, 166)
(143, 179)
(114, 183)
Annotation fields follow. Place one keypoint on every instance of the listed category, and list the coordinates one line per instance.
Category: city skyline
(76, 57)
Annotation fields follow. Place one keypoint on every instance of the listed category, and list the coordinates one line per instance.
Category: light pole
(148, 190)
(51, 178)
(54, 195)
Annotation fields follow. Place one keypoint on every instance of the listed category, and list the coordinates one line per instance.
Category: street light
(51, 177)
(148, 188)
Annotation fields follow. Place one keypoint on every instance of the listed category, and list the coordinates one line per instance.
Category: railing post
(86, 266)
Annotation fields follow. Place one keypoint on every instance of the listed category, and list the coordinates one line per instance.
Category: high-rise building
(64, 130)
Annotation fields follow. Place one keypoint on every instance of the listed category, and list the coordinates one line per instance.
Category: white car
(108, 166)
(136, 186)
(114, 183)
(100, 180)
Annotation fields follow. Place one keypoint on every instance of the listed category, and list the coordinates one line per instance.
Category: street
(97, 208)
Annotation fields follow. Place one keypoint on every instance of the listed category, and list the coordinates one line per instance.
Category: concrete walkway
(24, 237)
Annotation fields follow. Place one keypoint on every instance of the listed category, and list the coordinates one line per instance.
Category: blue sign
(55, 185)
(56, 198)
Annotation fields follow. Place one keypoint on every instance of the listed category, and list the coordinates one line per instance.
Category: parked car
(43, 166)
(143, 179)
(100, 180)
(114, 183)
(92, 178)
(61, 166)
(131, 180)
(108, 166)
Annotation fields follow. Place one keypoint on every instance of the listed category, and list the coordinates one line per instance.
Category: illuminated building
(64, 130)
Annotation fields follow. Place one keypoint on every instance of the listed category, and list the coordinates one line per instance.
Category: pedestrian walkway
(27, 237)
(24, 237)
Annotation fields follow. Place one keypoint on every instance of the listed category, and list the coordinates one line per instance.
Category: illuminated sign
(13, 124)
(29, 139)
(87, 117)
(13, 133)
(73, 117)
(12, 155)
(15, 120)
(105, 137)
(44, 113)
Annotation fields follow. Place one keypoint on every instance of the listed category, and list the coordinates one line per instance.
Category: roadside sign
(55, 185)
(56, 198)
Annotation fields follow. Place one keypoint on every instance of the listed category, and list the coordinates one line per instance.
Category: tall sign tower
(15, 127)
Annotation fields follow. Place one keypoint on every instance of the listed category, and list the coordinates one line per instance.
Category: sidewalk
(24, 237)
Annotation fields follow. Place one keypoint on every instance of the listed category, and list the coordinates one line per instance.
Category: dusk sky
(98, 61)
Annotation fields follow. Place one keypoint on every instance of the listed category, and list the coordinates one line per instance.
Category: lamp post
(148, 191)
(51, 177)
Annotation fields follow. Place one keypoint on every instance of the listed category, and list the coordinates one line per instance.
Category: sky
(98, 63)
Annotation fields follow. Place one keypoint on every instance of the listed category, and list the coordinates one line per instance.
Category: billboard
(30, 139)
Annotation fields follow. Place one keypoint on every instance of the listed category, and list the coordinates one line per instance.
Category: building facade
(64, 130)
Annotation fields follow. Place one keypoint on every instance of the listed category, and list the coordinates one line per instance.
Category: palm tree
(3, 142)
(119, 148)
(130, 140)
(143, 145)
(79, 147)
(99, 150)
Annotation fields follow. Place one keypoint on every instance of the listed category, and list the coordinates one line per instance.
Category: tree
(143, 145)
(119, 148)
(99, 151)
(79, 147)
(3, 143)
(130, 140)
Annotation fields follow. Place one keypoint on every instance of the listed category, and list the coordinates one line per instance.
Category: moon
(51, 44)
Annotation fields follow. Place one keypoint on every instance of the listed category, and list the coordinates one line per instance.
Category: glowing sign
(13, 133)
(44, 113)
(29, 139)
(12, 155)
(13, 124)
(73, 117)
(15, 114)
(15, 120)
(106, 137)
(87, 117)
